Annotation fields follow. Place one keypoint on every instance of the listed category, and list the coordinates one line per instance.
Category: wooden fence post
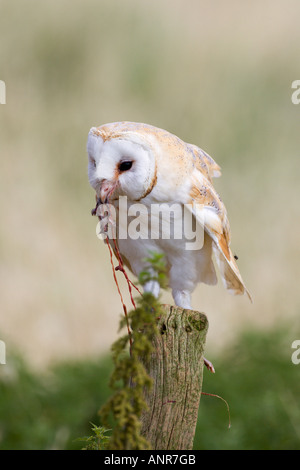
(176, 367)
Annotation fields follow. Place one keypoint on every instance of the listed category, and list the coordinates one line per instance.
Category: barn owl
(150, 166)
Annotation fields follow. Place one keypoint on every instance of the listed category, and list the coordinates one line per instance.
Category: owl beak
(106, 190)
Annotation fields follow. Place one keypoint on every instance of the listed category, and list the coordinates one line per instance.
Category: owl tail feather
(230, 274)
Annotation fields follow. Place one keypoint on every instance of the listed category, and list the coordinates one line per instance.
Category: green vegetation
(261, 385)
(256, 377)
(99, 439)
(51, 410)
(130, 378)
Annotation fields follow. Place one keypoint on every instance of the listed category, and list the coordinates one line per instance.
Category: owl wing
(211, 213)
(205, 163)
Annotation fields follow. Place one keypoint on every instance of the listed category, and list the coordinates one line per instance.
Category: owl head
(121, 162)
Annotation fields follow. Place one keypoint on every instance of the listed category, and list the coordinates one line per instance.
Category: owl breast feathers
(159, 175)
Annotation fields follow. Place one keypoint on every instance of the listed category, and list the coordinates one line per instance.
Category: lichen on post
(176, 368)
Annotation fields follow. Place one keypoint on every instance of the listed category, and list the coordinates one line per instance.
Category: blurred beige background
(217, 74)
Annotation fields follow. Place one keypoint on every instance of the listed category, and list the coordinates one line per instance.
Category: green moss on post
(176, 367)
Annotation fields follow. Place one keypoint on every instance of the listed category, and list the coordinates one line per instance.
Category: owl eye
(124, 166)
